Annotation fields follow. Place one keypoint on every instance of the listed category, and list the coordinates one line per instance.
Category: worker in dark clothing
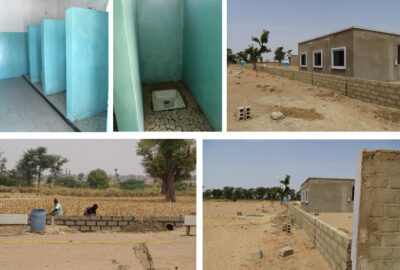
(91, 210)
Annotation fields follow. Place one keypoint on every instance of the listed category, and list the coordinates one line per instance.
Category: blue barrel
(38, 220)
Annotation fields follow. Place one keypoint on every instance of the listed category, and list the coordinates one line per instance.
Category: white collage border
(199, 136)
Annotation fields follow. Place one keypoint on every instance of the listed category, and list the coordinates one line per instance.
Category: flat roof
(350, 28)
(327, 178)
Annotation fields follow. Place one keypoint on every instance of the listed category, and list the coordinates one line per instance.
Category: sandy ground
(229, 239)
(170, 250)
(306, 108)
(342, 221)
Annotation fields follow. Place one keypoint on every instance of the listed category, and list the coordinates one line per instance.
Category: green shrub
(98, 179)
(180, 186)
(67, 182)
(7, 181)
(132, 184)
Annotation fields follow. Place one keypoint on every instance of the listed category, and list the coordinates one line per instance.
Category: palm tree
(256, 53)
(286, 183)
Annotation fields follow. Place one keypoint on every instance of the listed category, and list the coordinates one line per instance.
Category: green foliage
(168, 160)
(256, 53)
(98, 179)
(180, 186)
(231, 58)
(260, 193)
(132, 184)
(67, 182)
(8, 181)
(279, 54)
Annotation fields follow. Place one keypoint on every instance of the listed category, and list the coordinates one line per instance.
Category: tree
(279, 54)
(81, 177)
(242, 56)
(231, 58)
(256, 53)
(228, 193)
(3, 162)
(26, 166)
(286, 189)
(56, 163)
(98, 179)
(260, 193)
(116, 174)
(169, 160)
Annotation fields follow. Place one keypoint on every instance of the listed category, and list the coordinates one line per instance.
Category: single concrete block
(257, 255)
(190, 221)
(13, 219)
(286, 251)
(239, 213)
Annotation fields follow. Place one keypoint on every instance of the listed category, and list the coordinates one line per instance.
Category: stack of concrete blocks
(376, 222)
(113, 223)
(333, 244)
(243, 113)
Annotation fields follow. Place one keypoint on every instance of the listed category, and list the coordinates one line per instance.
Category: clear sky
(293, 21)
(83, 155)
(262, 163)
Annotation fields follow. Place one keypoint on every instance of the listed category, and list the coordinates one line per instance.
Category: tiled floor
(189, 119)
(23, 109)
(97, 123)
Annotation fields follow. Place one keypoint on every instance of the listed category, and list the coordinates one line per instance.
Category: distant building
(327, 195)
(294, 60)
(353, 52)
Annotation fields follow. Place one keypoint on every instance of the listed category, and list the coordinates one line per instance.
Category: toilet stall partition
(53, 56)
(35, 53)
(13, 54)
(127, 78)
(87, 62)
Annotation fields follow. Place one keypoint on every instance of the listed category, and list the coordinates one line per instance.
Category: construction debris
(243, 113)
(286, 251)
(257, 255)
(286, 227)
(239, 213)
(142, 253)
(276, 116)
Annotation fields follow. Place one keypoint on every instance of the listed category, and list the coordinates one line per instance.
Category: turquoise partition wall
(202, 56)
(87, 62)
(53, 56)
(34, 52)
(128, 106)
(160, 35)
(13, 54)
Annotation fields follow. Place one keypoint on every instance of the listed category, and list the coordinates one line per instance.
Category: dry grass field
(142, 206)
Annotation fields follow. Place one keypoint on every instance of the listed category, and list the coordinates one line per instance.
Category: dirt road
(229, 239)
(168, 249)
(305, 107)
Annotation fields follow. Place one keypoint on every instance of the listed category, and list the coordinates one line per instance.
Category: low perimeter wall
(333, 244)
(382, 93)
(113, 223)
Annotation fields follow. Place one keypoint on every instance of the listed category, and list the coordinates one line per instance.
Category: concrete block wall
(113, 223)
(337, 83)
(382, 93)
(333, 244)
(376, 225)
(303, 76)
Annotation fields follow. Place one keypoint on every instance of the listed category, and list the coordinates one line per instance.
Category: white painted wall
(66, 4)
(16, 15)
